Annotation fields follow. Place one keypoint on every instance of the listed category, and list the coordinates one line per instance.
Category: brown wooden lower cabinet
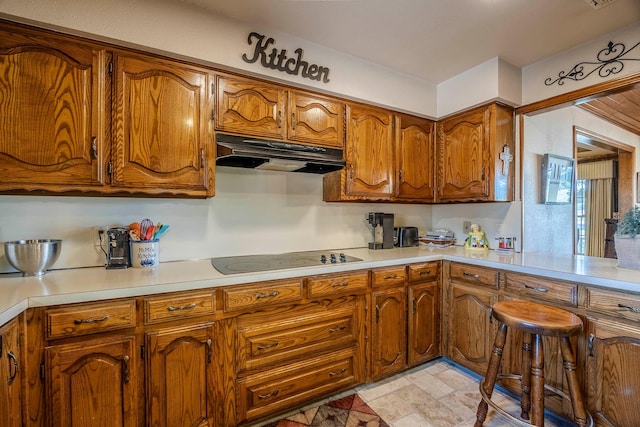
(284, 387)
(389, 332)
(180, 376)
(471, 330)
(11, 366)
(423, 322)
(93, 383)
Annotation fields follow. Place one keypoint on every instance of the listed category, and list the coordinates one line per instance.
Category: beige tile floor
(436, 394)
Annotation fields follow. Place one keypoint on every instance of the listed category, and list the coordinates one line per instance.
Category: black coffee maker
(118, 248)
(382, 224)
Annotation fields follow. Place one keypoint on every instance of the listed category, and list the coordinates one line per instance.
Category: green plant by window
(629, 225)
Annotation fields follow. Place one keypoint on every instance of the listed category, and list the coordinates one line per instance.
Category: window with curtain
(599, 202)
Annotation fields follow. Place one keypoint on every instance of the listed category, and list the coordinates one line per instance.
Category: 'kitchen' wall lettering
(278, 60)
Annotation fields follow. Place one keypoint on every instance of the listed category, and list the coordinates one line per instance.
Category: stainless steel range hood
(241, 152)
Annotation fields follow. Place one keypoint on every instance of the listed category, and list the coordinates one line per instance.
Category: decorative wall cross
(506, 158)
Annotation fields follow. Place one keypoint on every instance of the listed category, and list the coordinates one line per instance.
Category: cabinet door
(10, 378)
(250, 108)
(164, 139)
(92, 383)
(180, 376)
(424, 322)
(52, 112)
(462, 156)
(415, 168)
(369, 152)
(471, 329)
(315, 119)
(389, 341)
(613, 372)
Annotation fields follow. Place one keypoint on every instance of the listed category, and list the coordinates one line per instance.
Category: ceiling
(434, 39)
(622, 109)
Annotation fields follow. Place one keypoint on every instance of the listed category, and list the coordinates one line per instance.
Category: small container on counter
(145, 253)
(506, 244)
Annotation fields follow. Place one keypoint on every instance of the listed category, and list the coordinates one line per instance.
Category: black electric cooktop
(256, 263)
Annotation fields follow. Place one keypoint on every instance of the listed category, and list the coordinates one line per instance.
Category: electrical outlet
(466, 227)
(99, 235)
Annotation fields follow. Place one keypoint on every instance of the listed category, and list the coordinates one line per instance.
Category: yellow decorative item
(477, 239)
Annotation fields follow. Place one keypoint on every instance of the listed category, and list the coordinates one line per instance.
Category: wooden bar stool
(535, 320)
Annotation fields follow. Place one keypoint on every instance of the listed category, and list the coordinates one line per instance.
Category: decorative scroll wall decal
(610, 60)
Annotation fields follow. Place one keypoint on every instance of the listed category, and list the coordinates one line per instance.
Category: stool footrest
(512, 417)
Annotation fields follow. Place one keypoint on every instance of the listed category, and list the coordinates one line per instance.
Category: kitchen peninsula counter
(65, 286)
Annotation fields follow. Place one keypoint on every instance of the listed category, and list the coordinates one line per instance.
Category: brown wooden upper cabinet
(251, 107)
(475, 155)
(369, 172)
(415, 165)
(389, 157)
(163, 131)
(52, 107)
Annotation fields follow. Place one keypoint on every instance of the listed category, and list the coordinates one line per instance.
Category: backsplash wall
(252, 212)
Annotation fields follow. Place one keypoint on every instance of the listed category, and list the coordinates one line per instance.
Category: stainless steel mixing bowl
(32, 257)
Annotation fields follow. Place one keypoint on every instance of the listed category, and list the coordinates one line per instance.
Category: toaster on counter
(405, 236)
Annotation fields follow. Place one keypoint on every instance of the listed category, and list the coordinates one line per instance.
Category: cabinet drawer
(178, 306)
(473, 274)
(424, 271)
(541, 288)
(388, 276)
(267, 343)
(261, 294)
(332, 284)
(90, 318)
(618, 304)
(287, 386)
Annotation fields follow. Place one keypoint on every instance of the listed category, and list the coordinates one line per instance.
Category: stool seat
(537, 318)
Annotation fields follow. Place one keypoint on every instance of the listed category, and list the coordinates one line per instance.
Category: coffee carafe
(382, 225)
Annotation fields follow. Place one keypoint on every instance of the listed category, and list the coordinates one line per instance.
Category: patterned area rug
(350, 411)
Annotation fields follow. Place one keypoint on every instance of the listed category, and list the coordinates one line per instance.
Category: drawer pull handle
(181, 307)
(91, 320)
(422, 273)
(12, 363)
(392, 276)
(533, 288)
(340, 284)
(268, 395)
(334, 373)
(628, 307)
(475, 276)
(125, 369)
(266, 346)
(272, 294)
(338, 329)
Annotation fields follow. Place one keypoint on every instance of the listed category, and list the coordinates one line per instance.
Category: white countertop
(18, 293)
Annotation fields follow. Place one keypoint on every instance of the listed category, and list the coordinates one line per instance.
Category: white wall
(259, 211)
(534, 76)
(549, 228)
(184, 30)
(495, 79)
(252, 212)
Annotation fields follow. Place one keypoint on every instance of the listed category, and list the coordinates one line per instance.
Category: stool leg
(492, 372)
(537, 382)
(525, 396)
(569, 363)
